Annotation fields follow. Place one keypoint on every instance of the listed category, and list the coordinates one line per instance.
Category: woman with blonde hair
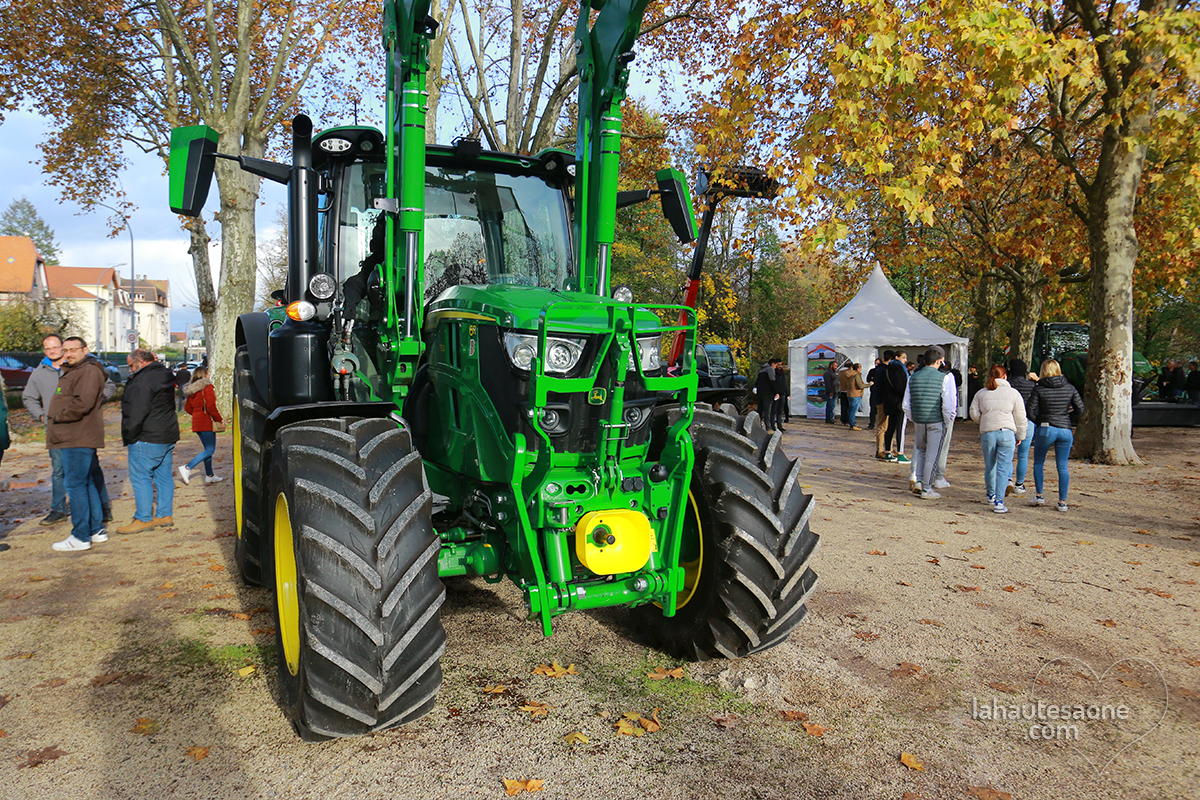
(1002, 423)
(1050, 408)
(206, 421)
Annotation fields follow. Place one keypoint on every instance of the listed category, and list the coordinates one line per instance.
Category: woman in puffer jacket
(1050, 408)
(202, 405)
(1000, 412)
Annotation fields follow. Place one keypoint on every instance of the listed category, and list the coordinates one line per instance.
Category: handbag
(218, 425)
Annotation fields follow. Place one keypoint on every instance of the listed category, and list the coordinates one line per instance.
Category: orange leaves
(962, 588)
(536, 709)
(661, 673)
(1153, 591)
(145, 726)
(790, 715)
(1108, 623)
(910, 761)
(905, 669)
(555, 670)
(34, 758)
(877, 553)
(197, 753)
(934, 622)
(515, 787)
(814, 729)
(866, 636)
(632, 723)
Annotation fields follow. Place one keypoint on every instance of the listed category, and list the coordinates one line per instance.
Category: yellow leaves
(1108, 623)
(145, 726)
(536, 709)
(245, 672)
(555, 670)
(661, 673)
(910, 761)
(197, 753)
(632, 723)
(515, 787)
(496, 689)
(575, 737)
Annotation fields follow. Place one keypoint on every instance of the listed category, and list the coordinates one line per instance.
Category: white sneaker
(999, 507)
(213, 479)
(100, 536)
(71, 544)
(941, 483)
(930, 494)
(1019, 488)
(1062, 506)
(186, 475)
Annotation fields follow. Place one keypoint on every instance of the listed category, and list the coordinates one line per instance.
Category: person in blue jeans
(202, 405)
(1002, 425)
(150, 429)
(831, 387)
(1050, 408)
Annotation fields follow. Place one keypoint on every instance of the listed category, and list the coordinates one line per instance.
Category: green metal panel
(191, 164)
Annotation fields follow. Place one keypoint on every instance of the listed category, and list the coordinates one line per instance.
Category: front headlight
(562, 355)
(649, 353)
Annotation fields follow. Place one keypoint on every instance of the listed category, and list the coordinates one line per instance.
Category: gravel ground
(120, 667)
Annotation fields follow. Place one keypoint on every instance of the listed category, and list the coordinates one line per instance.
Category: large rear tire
(357, 593)
(747, 545)
(247, 426)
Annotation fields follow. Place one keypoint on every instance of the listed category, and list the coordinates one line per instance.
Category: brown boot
(163, 522)
(137, 526)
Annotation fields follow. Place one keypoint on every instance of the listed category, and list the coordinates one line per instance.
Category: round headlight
(559, 357)
(623, 294)
(523, 355)
(633, 416)
(550, 418)
(322, 286)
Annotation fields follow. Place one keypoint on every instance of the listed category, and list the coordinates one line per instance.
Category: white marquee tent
(876, 319)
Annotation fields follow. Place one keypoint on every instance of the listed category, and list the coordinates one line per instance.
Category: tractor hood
(521, 307)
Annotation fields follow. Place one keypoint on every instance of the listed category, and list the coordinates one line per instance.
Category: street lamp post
(132, 275)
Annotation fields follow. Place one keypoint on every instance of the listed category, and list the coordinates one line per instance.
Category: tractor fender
(253, 331)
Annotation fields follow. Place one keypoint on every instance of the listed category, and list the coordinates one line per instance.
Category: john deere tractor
(450, 386)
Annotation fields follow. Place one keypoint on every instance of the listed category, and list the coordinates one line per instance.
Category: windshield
(720, 362)
(480, 228)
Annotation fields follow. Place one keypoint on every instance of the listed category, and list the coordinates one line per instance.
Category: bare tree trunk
(983, 342)
(205, 296)
(1105, 433)
(239, 196)
(433, 76)
(1028, 300)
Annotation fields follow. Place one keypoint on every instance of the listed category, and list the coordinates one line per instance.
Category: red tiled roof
(76, 282)
(18, 260)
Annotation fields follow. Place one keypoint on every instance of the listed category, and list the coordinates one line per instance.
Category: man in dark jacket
(782, 377)
(1192, 382)
(873, 398)
(831, 389)
(1018, 378)
(150, 429)
(896, 381)
(765, 391)
(75, 426)
(182, 378)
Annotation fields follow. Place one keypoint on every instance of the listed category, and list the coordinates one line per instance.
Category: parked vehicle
(16, 373)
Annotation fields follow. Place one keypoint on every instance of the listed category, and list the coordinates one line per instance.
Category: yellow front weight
(287, 590)
(610, 542)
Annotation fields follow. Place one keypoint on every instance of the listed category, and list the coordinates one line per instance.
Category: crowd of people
(66, 392)
(1016, 410)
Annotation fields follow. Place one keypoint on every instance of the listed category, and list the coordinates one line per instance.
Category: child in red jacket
(202, 405)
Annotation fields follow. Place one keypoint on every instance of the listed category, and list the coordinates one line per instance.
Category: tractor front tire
(247, 427)
(357, 594)
(747, 545)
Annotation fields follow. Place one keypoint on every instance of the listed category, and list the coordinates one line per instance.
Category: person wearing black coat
(766, 392)
(1050, 406)
(783, 378)
(1192, 382)
(1018, 378)
(896, 381)
(874, 397)
(150, 429)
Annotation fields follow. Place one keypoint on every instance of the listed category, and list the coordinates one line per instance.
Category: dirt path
(125, 659)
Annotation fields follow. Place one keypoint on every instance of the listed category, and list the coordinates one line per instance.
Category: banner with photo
(819, 355)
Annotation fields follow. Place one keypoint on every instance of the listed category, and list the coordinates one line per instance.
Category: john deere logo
(597, 396)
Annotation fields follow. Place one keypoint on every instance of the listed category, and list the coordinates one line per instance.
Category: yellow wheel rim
(235, 418)
(286, 588)
(691, 555)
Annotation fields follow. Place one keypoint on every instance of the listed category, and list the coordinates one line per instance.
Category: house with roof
(22, 270)
(101, 311)
(152, 310)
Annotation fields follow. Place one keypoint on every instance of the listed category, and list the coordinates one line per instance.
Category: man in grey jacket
(37, 395)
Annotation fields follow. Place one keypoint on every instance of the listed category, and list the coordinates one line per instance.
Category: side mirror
(677, 204)
(193, 158)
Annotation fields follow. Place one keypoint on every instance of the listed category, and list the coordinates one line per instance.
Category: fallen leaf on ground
(216, 568)
(220, 597)
(35, 757)
(555, 670)
(1189, 693)
(51, 683)
(207, 586)
(1010, 588)
(244, 671)
(15, 595)
(1139, 544)
(166, 595)
(197, 753)
(240, 615)
(1081, 541)
(625, 727)
(575, 737)
(499, 688)
(866, 636)
(935, 561)
(661, 673)
(1135, 563)
(903, 583)
(512, 788)
(983, 793)
(910, 761)
(652, 725)
(912, 796)
(974, 549)
(167, 586)
(1108, 623)
(814, 729)
(265, 631)
(904, 669)
(1130, 683)
(36, 578)
(793, 716)
(1004, 687)
(145, 726)
(877, 553)
(932, 622)
(962, 588)
(978, 566)
(18, 655)
(535, 708)
(1153, 591)
(724, 720)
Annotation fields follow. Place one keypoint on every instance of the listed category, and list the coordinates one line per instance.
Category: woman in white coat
(1000, 412)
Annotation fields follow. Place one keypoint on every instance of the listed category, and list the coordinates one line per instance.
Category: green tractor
(451, 387)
